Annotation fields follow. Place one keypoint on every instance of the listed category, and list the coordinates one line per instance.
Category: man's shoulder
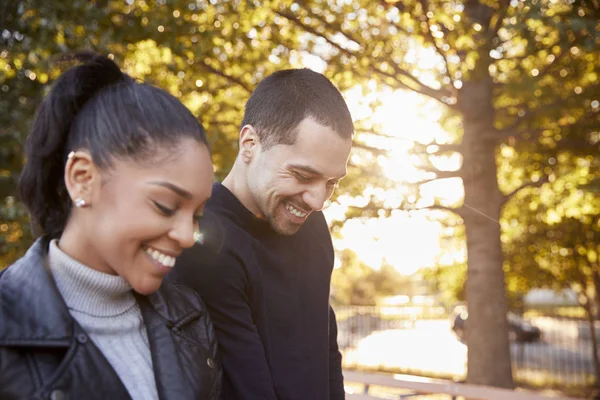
(221, 210)
(223, 234)
(316, 227)
(220, 230)
(215, 257)
(199, 267)
(317, 220)
(224, 249)
(206, 268)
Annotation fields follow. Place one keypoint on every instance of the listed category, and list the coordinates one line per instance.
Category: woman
(116, 178)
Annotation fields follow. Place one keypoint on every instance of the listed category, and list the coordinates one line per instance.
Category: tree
(449, 279)
(568, 258)
(450, 283)
(518, 72)
(355, 283)
(556, 242)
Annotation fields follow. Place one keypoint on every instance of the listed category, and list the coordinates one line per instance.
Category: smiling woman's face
(141, 215)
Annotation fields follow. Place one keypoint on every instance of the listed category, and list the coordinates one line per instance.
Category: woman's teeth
(295, 211)
(162, 258)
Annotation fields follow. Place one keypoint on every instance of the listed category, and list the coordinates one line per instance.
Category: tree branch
(418, 146)
(438, 175)
(510, 130)
(441, 148)
(230, 78)
(295, 20)
(456, 210)
(329, 25)
(383, 135)
(449, 147)
(429, 37)
(447, 174)
(534, 53)
(507, 197)
(373, 209)
(493, 32)
(534, 134)
(421, 88)
(374, 150)
(551, 65)
(563, 50)
(435, 94)
(400, 9)
(588, 120)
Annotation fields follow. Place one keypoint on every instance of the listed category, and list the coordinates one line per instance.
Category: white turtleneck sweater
(105, 307)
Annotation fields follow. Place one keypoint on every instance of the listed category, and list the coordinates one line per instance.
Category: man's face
(288, 182)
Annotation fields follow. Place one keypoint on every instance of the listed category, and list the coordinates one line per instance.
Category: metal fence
(421, 340)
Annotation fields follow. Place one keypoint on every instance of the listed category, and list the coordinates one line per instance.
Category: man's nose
(315, 197)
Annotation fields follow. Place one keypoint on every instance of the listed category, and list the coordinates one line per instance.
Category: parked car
(519, 330)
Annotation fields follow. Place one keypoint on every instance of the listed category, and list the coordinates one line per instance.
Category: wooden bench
(419, 386)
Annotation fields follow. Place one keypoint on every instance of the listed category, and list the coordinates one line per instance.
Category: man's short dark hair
(284, 99)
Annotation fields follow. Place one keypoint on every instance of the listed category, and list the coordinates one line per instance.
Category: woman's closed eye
(169, 212)
(166, 211)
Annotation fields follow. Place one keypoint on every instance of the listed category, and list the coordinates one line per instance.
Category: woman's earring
(79, 202)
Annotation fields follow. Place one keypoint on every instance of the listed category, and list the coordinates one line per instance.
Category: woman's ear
(80, 176)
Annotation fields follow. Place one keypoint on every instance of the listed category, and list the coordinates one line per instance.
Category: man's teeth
(162, 258)
(295, 211)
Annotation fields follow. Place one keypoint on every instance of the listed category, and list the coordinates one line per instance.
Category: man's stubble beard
(283, 227)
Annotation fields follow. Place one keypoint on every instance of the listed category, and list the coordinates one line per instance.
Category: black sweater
(268, 295)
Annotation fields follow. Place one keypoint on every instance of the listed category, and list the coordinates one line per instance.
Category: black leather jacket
(45, 354)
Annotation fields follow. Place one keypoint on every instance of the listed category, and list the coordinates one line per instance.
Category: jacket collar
(174, 308)
(32, 310)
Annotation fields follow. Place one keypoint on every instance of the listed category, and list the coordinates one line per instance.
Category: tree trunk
(589, 311)
(489, 361)
(596, 280)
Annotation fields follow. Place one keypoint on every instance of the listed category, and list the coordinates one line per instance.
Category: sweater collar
(86, 290)
(227, 203)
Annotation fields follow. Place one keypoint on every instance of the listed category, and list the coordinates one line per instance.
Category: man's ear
(80, 176)
(249, 143)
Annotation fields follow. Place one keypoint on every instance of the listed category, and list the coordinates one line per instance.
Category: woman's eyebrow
(179, 191)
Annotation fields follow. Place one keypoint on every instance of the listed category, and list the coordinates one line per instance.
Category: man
(267, 288)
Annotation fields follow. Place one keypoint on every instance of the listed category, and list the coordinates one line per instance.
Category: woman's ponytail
(41, 185)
